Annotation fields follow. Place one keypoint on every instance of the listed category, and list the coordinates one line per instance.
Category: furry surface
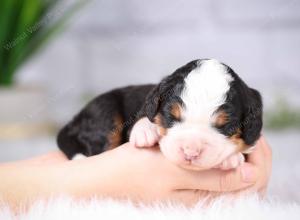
(243, 208)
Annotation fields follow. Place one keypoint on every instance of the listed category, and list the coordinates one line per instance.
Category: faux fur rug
(243, 208)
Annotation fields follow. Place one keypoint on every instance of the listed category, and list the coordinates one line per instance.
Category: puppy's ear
(164, 89)
(155, 97)
(152, 103)
(252, 123)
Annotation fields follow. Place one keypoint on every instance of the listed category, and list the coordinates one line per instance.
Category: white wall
(115, 43)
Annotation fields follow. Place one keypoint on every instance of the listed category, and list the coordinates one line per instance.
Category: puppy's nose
(190, 153)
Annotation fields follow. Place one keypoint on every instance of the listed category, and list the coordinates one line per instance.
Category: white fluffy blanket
(244, 208)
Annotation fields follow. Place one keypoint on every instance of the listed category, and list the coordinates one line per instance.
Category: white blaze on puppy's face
(205, 90)
(193, 141)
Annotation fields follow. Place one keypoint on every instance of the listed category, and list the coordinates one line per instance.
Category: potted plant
(25, 27)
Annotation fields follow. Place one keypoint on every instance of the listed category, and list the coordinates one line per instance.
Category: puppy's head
(205, 113)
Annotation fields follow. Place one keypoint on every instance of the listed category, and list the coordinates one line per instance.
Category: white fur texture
(212, 147)
(204, 91)
(78, 157)
(223, 208)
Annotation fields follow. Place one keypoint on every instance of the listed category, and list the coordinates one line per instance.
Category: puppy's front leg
(144, 133)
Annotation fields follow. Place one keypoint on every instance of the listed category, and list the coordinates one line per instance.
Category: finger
(233, 162)
(220, 181)
(268, 154)
(258, 155)
(261, 158)
(268, 163)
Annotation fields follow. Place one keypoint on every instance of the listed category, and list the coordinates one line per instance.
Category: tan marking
(221, 119)
(115, 136)
(176, 110)
(158, 121)
(238, 141)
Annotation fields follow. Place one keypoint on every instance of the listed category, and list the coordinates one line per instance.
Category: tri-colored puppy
(203, 116)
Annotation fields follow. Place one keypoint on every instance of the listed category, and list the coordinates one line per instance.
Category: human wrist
(99, 175)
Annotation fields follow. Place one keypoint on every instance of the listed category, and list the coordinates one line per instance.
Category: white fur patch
(246, 207)
(205, 90)
(79, 157)
(212, 147)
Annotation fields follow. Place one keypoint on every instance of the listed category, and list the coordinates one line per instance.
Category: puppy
(202, 115)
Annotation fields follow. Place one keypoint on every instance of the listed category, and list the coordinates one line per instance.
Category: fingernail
(248, 174)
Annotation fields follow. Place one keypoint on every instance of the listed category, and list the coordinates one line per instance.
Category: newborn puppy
(203, 116)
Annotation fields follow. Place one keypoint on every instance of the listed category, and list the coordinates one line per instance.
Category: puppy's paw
(144, 133)
(232, 162)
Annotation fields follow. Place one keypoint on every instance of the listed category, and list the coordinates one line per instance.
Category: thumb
(223, 181)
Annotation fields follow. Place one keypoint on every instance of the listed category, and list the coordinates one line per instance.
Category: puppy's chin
(192, 151)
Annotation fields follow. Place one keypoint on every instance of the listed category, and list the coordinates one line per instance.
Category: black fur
(167, 91)
(244, 106)
(87, 133)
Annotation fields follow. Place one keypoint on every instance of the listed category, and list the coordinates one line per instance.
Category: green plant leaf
(28, 16)
(46, 34)
(9, 11)
(25, 29)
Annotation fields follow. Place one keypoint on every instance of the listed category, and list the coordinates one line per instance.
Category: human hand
(147, 176)
(143, 175)
(261, 159)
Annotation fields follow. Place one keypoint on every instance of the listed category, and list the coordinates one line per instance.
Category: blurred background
(56, 55)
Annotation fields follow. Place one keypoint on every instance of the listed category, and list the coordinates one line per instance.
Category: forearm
(107, 174)
(23, 184)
